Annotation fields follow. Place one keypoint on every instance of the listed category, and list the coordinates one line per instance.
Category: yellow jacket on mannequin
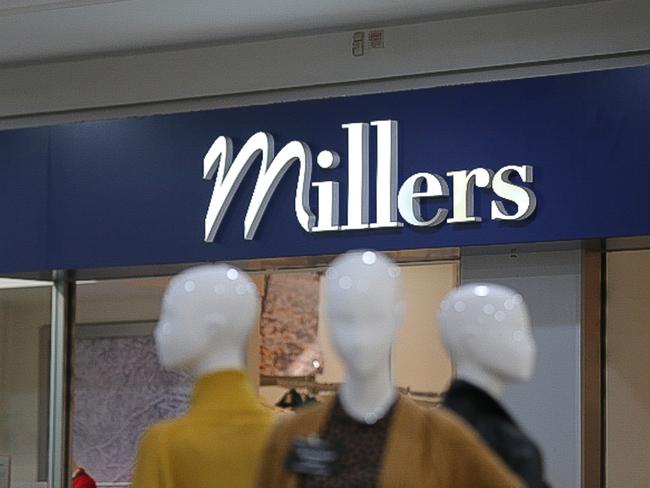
(218, 442)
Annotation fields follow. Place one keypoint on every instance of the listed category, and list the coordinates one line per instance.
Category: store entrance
(119, 388)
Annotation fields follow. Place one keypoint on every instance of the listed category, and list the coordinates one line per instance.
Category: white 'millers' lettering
(386, 174)
(328, 194)
(411, 193)
(358, 190)
(523, 197)
(231, 173)
(228, 175)
(463, 187)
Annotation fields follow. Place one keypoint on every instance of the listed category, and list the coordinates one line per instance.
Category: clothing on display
(218, 442)
(498, 430)
(81, 479)
(363, 444)
(420, 448)
(293, 399)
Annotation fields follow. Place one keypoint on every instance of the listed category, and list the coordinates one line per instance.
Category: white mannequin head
(363, 307)
(207, 315)
(486, 329)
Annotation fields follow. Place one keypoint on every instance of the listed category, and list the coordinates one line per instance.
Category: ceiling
(39, 30)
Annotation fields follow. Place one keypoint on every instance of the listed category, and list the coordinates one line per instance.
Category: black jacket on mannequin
(498, 430)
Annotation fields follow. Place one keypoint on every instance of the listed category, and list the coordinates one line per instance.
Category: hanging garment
(421, 448)
(81, 479)
(218, 442)
(291, 399)
(498, 430)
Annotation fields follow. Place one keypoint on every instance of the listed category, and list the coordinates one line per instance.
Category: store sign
(508, 184)
(505, 162)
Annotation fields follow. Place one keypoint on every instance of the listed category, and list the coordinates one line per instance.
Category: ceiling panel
(36, 30)
(19, 7)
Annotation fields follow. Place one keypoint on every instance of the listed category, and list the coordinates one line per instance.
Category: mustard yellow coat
(425, 448)
(218, 442)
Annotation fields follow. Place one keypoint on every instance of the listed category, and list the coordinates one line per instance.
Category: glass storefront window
(25, 315)
(119, 388)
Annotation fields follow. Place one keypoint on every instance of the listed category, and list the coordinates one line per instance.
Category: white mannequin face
(364, 310)
(207, 315)
(487, 326)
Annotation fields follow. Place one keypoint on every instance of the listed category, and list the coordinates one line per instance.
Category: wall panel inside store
(628, 362)
(548, 406)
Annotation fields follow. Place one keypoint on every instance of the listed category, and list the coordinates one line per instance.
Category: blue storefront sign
(542, 159)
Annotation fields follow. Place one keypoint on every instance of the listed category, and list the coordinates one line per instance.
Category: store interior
(119, 388)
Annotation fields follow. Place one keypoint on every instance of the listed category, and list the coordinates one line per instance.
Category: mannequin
(367, 435)
(207, 315)
(486, 329)
(364, 310)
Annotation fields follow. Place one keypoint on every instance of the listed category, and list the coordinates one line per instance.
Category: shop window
(24, 382)
(119, 388)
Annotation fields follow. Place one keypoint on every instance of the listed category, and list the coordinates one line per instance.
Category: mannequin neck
(370, 397)
(226, 358)
(481, 378)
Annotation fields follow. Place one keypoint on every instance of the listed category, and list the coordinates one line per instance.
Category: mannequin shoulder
(448, 423)
(455, 431)
(160, 433)
(469, 449)
(438, 426)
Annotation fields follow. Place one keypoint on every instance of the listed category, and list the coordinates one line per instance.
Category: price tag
(313, 456)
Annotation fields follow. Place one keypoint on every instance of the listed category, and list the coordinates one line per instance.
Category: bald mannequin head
(363, 306)
(486, 329)
(207, 315)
